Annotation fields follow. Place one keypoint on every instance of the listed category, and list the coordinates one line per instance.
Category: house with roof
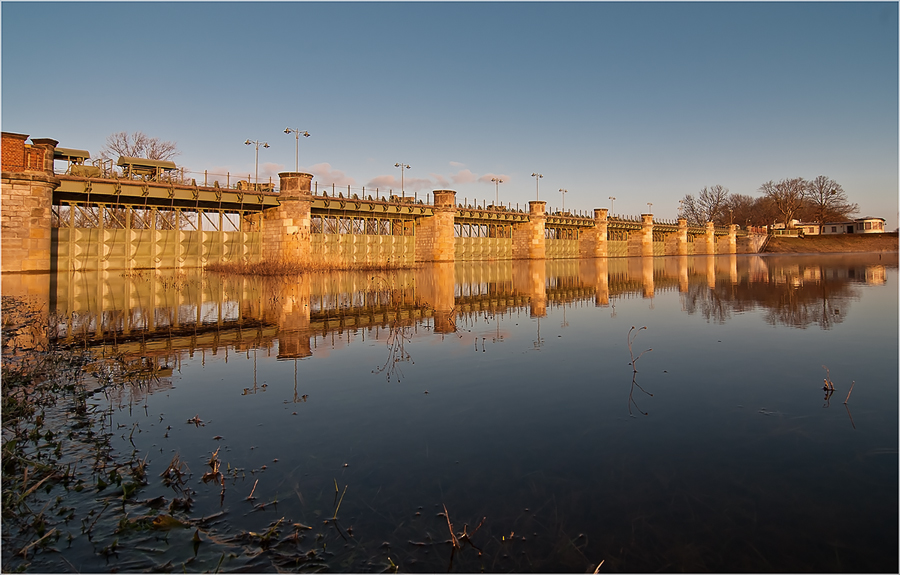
(866, 225)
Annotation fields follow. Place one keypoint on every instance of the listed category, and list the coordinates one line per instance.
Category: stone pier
(528, 237)
(434, 235)
(28, 183)
(285, 230)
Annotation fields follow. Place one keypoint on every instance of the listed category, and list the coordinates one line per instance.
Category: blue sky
(645, 102)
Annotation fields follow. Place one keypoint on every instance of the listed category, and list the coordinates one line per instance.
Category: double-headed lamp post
(537, 184)
(257, 143)
(612, 202)
(649, 207)
(563, 192)
(497, 182)
(402, 167)
(297, 133)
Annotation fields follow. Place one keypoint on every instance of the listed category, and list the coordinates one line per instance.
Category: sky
(643, 102)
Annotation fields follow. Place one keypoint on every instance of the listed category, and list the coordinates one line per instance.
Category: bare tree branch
(787, 196)
(827, 201)
(138, 145)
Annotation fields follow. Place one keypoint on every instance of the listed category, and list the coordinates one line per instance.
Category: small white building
(865, 225)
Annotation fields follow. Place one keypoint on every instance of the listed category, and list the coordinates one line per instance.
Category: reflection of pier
(153, 314)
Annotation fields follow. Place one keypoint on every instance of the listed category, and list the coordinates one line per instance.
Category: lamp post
(649, 207)
(257, 144)
(402, 167)
(563, 192)
(497, 182)
(612, 202)
(298, 133)
(680, 208)
(537, 184)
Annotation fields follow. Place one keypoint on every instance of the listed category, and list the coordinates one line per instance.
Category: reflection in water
(156, 315)
(536, 442)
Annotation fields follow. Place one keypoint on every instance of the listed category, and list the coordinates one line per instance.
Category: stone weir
(81, 220)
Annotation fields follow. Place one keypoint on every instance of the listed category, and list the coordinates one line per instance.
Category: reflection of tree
(709, 303)
(799, 296)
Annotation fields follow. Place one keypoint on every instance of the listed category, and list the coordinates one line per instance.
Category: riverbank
(844, 243)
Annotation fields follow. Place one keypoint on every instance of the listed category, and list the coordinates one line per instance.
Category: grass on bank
(839, 243)
(271, 268)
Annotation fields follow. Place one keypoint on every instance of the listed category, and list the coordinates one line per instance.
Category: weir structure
(145, 215)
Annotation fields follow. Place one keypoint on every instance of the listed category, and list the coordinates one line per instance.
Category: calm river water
(505, 392)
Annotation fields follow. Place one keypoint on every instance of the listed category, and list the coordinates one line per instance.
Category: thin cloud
(464, 177)
(439, 180)
(457, 164)
(392, 182)
(270, 170)
(328, 175)
(383, 182)
(488, 177)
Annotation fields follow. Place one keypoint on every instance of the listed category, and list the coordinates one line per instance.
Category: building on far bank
(866, 225)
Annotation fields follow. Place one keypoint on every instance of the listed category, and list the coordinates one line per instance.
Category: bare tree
(826, 201)
(742, 209)
(710, 205)
(787, 196)
(137, 145)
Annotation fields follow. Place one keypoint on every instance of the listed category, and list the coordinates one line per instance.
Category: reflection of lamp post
(497, 182)
(257, 143)
(537, 183)
(298, 133)
(563, 193)
(612, 202)
(402, 167)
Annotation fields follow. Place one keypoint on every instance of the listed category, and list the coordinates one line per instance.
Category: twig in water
(828, 384)
(33, 543)
(597, 570)
(334, 517)
(630, 341)
(849, 392)
(250, 497)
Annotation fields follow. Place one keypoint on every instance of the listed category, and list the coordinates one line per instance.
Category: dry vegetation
(269, 268)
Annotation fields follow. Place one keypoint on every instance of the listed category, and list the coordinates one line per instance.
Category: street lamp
(257, 144)
(298, 133)
(497, 182)
(680, 208)
(649, 207)
(612, 202)
(402, 167)
(537, 184)
(563, 192)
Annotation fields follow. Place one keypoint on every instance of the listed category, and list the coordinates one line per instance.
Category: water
(505, 391)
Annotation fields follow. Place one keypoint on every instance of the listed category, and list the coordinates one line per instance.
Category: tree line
(818, 200)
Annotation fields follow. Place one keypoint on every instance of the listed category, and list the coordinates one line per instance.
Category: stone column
(285, 231)
(681, 243)
(528, 237)
(28, 183)
(647, 235)
(710, 238)
(730, 241)
(435, 241)
(593, 241)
